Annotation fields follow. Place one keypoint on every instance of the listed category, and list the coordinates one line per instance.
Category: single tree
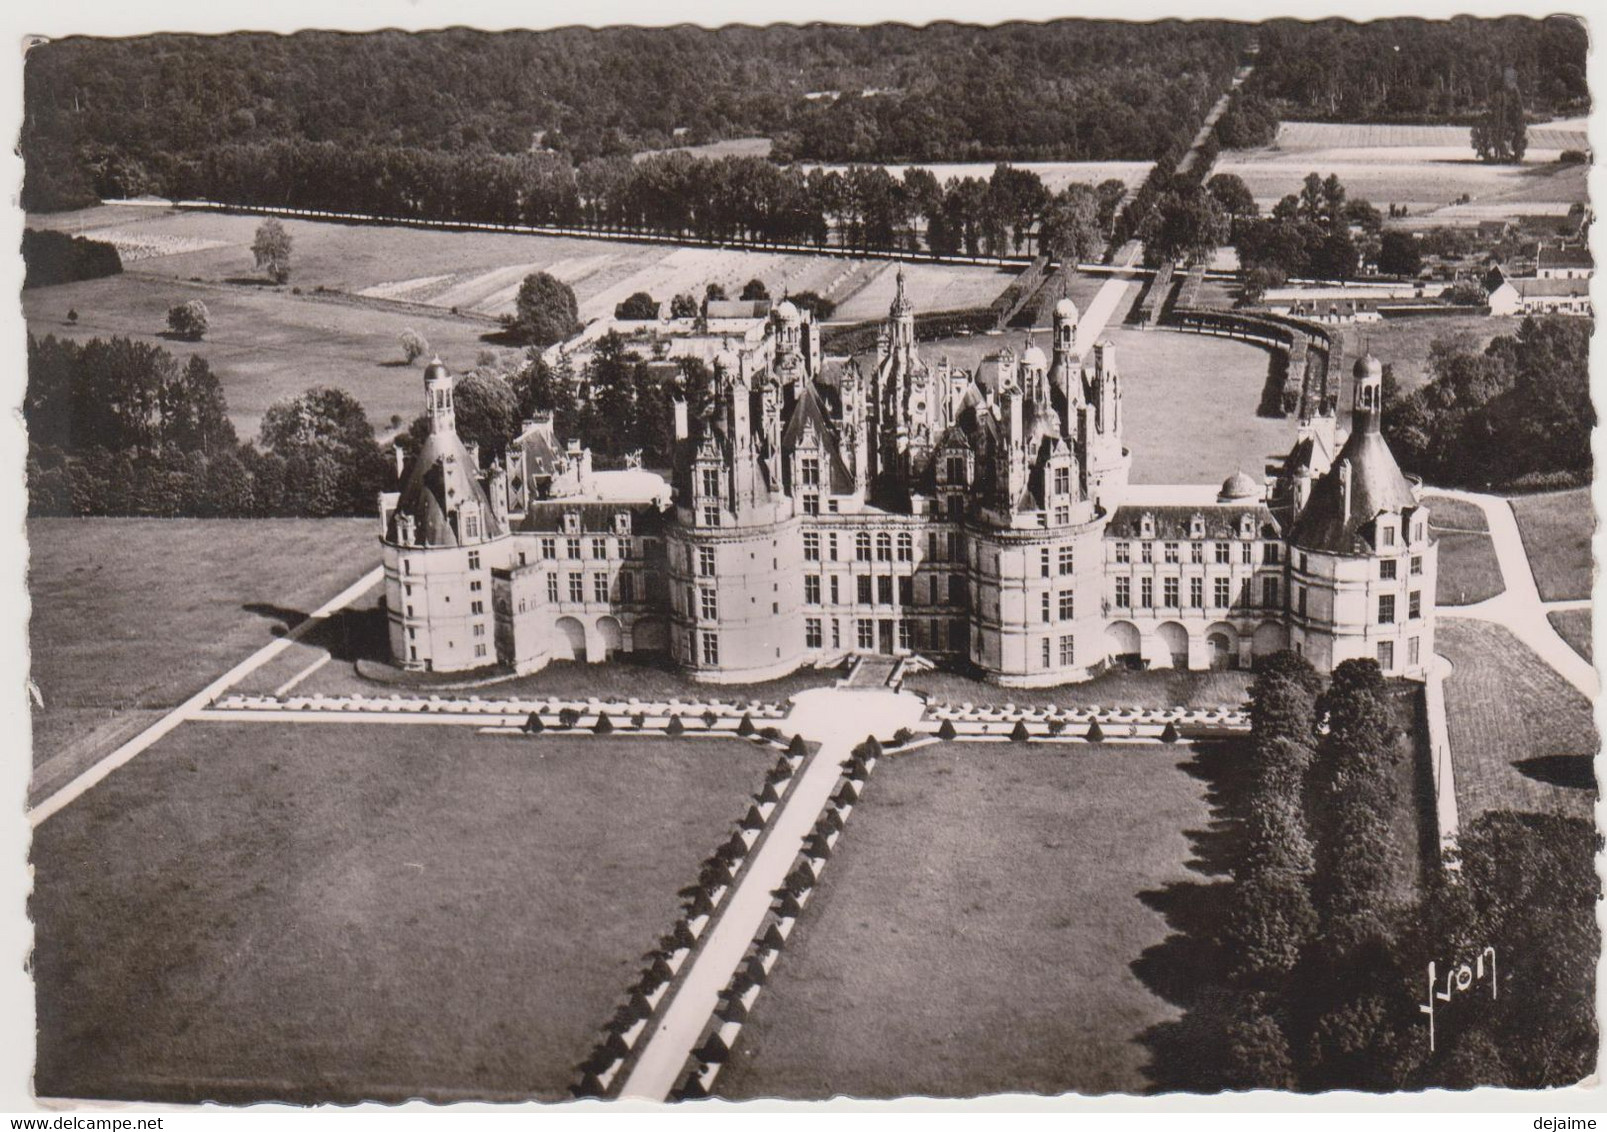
(755, 290)
(1399, 253)
(683, 306)
(640, 307)
(188, 320)
(1501, 135)
(414, 345)
(271, 247)
(545, 310)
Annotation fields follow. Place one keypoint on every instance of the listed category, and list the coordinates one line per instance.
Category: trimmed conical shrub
(533, 724)
(745, 725)
(588, 1088)
(946, 732)
(604, 725)
(1096, 734)
(799, 746)
(1169, 735)
(752, 819)
(832, 821)
(675, 726)
(692, 1088)
(732, 1010)
(767, 794)
(787, 904)
(772, 940)
(1019, 733)
(871, 748)
(846, 795)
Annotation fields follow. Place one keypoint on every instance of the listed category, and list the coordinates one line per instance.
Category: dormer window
(1386, 534)
(1197, 526)
(622, 522)
(1062, 480)
(571, 522)
(1146, 525)
(711, 483)
(1247, 526)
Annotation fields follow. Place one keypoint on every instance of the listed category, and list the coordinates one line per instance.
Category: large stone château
(820, 508)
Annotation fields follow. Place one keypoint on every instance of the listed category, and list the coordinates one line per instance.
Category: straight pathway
(198, 702)
(1519, 608)
(837, 719)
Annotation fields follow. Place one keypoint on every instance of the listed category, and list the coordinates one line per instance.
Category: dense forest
(110, 116)
(1409, 70)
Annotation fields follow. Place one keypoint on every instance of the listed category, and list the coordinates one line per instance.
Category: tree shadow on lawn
(1187, 966)
(347, 634)
(1574, 772)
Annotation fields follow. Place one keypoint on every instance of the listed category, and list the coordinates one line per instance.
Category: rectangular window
(1124, 593)
(552, 587)
(831, 546)
(884, 547)
(933, 546)
(906, 547)
(884, 590)
(1386, 609)
(867, 633)
(572, 547)
(1386, 569)
(956, 547)
(1271, 555)
(1169, 593)
(1196, 592)
(1388, 536)
(1244, 593)
(864, 589)
(476, 607)
(1067, 605)
(836, 633)
(1067, 563)
(1046, 647)
(708, 603)
(862, 546)
(809, 468)
(1170, 553)
(1247, 553)
(1146, 552)
(627, 548)
(599, 548)
(479, 650)
(711, 482)
(811, 589)
(474, 560)
(811, 503)
(1386, 655)
(1062, 481)
(1222, 554)
(705, 561)
(1068, 651)
(475, 586)
(711, 649)
(906, 591)
(1300, 599)
(956, 590)
(1043, 562)
(549, 548)
(835, 593)
(1046, 600)
(812, 635)
(479, 630)
(1146, 592)
(711, 515)
(577, 587)
(1197, 553)
(1269, 593)
(1412, 652)
(1124, 552)
(1220, 593)
(1417, 564)
(599, 587)
(811, 546)
(1414, 605)
(936, 588)
(627, 588)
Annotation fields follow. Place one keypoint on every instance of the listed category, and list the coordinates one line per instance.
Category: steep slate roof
(810, 410)
(440, 481)
(1174, 523)
(1376, 485)
(547, 515)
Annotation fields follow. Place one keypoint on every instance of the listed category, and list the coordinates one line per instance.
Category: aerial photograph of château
(790, 562)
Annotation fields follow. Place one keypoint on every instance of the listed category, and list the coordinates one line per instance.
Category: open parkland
(272, 872)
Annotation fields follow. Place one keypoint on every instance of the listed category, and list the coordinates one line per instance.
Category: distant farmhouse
(821, 509)
(1560, 285)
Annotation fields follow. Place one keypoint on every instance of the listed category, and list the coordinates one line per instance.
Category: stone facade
(819, 508)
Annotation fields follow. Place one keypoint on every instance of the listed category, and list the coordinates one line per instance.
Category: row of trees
(107, 116)
(1323, 947)
(1517, 411)
(50, 257)
(118, 427)
(1308, 234)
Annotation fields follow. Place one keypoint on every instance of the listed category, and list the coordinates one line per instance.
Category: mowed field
(1523, 737)
(1404, 343)
(307, 912)
(269, 343)
(1557, 527)
(1426, 168)
(131, 616)
(988, 924)
(1468, 569)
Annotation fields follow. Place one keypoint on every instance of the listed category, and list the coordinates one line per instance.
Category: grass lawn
(1116, 688)
(1574, 626)
(980, 929)
(1455, 514)
(1404, 342)
(314, 912)
(1468, 569)
(1522, 738)
(1557, 527)
(133, 614)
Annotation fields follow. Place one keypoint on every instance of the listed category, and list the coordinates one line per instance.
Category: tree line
(50, 257)
(104, 112)
(1315, 969)
(1412, 70)
(1516, 413)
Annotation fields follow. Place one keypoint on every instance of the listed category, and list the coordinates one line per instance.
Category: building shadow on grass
(347, 634)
